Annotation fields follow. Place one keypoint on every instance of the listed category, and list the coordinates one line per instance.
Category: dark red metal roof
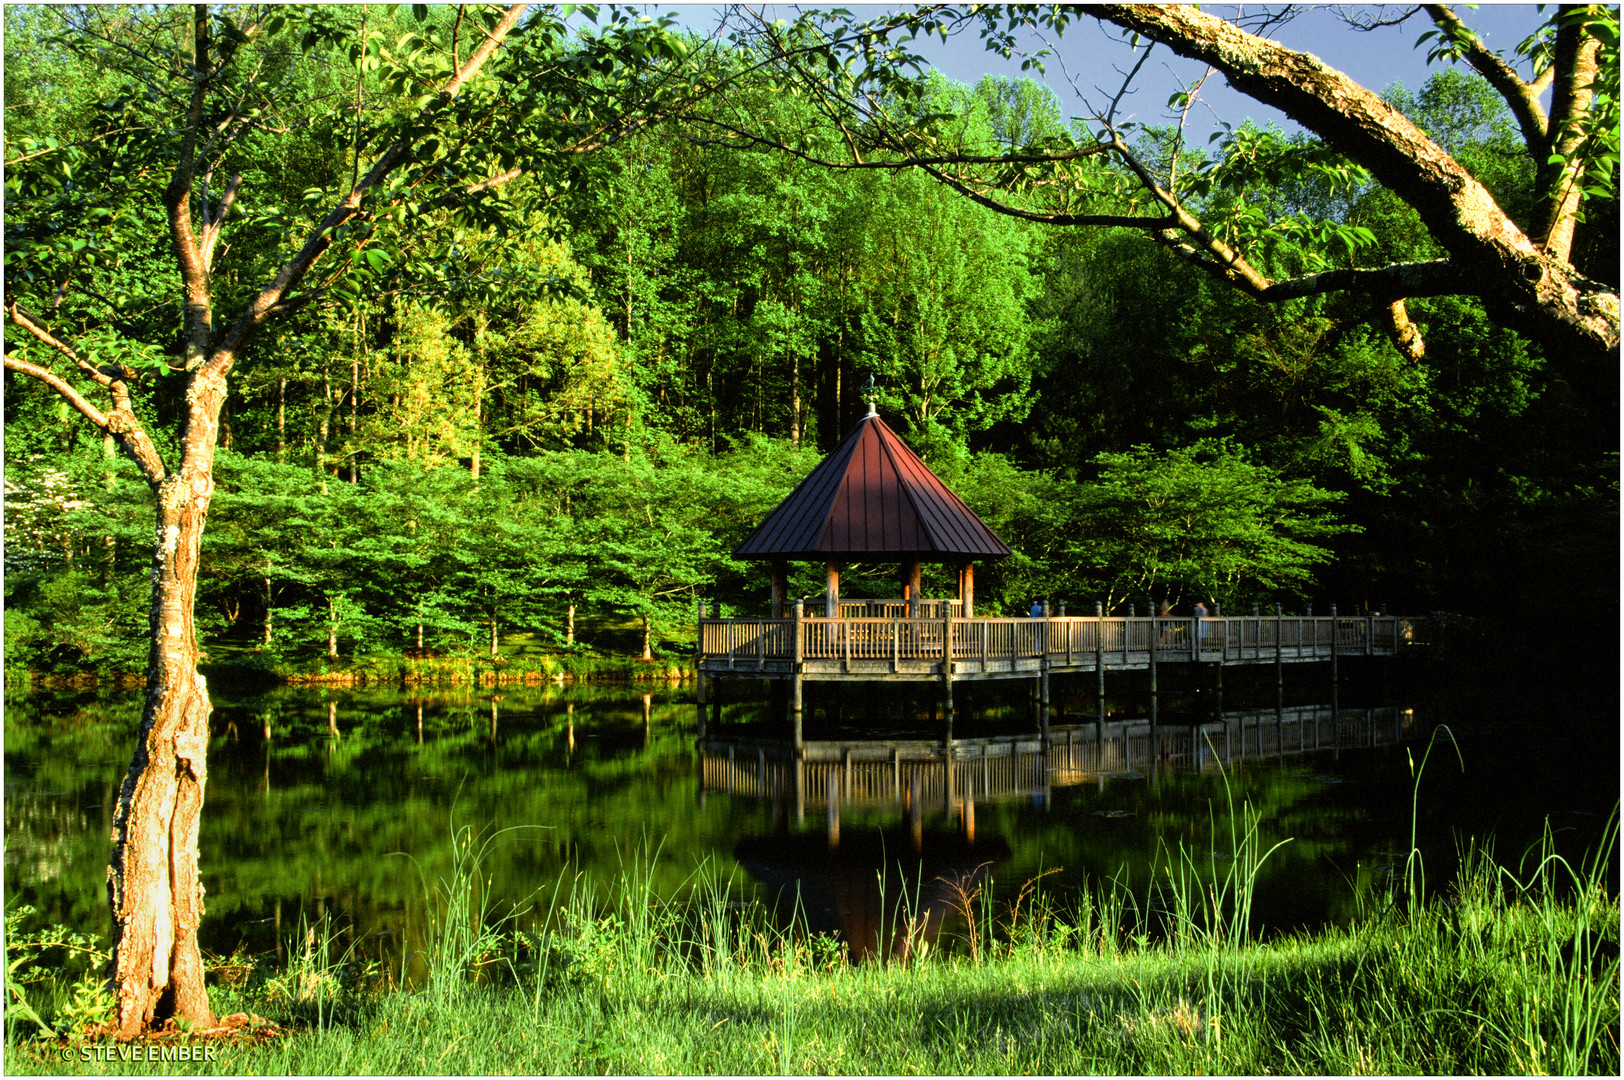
(872, 497)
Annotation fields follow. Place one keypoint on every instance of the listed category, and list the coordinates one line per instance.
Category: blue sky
(1090, 51)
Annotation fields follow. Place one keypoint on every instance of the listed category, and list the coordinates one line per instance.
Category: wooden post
(1333, 646)
(1043, 703)
(1279, 654)
(795, 675)
(911, 588)
(780, 573)
(967, 589)
(1155, 642)
(699, 653)
(1099, 664)
(947, 671)
(832, 596)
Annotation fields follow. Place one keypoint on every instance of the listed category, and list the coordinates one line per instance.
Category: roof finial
(868, 393)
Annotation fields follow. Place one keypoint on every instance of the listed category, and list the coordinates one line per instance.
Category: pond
(342, 802)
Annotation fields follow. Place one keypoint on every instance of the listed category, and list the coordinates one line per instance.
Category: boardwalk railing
(878, 645)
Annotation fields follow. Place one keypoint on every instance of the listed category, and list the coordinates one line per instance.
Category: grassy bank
(607, 650)
(1512, 969)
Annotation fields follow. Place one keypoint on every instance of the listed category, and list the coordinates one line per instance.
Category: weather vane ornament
(868, 392)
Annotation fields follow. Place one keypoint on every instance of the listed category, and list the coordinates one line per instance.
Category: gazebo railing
(898, 609)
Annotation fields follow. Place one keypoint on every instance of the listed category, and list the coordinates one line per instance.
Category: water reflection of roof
(842, 892)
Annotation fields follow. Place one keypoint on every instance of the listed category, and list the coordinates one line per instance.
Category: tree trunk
(493, 633)
(323, 428)
(267, 600)
(355, 395)
(282, 419)
(152, 882)
(647, 655)
(332, 627)
(569, 626)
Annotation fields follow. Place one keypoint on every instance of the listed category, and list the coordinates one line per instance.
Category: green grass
(1513, 969)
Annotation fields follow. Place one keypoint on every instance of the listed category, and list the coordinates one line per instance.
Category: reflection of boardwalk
(914, 773)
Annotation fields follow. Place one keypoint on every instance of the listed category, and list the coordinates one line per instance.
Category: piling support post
(795, 699)
(947, 671)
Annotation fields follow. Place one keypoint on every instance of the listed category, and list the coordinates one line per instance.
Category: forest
(575, 391)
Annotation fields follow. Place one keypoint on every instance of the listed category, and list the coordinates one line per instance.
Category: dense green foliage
(578, 394)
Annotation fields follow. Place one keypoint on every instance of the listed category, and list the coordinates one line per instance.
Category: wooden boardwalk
(910, 774)
(863, 648)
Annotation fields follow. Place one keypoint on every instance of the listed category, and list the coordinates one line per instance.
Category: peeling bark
(153, 882)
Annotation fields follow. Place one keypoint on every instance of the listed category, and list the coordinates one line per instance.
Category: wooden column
(967, 589)
(832, 596)
(911, 575)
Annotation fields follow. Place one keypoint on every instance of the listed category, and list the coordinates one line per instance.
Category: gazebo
(873, 500)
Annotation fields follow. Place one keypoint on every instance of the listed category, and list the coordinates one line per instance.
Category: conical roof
(872, 498)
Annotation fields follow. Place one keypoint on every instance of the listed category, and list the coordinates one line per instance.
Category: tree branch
(64, 389)
(1569, 313)
(271, 297)
(1522, 98)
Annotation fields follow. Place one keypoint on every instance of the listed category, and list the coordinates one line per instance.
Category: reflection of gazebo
(873, 500)
(873, 892)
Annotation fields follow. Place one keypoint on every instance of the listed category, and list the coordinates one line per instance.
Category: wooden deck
(875, 649)
(894, 773)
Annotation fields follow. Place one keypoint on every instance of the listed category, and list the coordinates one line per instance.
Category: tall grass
(1512, 969)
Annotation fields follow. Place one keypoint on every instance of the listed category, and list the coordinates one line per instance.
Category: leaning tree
(1099, 174)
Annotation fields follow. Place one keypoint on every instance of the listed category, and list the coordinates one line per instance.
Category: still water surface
(341, 802)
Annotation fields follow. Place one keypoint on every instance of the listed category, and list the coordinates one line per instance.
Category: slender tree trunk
(647, 655)
(323, 428)
(282, 419)
(267, 600)
(152, 880)
(569, 626)
(355, 394)
(332, 627)
(479, 399)
(795, 401)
